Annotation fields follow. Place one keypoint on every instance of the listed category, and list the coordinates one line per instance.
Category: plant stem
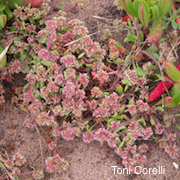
(165, 132)
(22, 174)
(151, 147)
(71, 8)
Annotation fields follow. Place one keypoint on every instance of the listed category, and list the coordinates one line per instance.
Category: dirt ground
(87, 161)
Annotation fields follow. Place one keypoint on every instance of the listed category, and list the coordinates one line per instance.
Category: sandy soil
(87, 161)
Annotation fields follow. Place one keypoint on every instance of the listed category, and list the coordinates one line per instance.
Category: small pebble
(176, 165)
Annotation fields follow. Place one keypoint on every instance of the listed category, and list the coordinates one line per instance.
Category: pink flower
(122, 153)
(35, 107)
(56, 164)
(69, 60)
(102, 76)
(172, 151)
(80, 30)
(159, 129)
(67, 37)
(18, 159)
(51, 24)
(57, 110)
(68, 134)
(38, 174)
(113, 142)
(143, 148)
(54, 70)
(51, 87)
(83, 80)
(36, 47)
(44, 54)
(41, 119)
(102, 135)
(31, 78)
(53, 36)
(69, 90)
(27, 97)
(59, 20)
(52, 145)
(88, 137)
(9, 163)
(59, 79)
(146, 133)
(15, 67)
(30, 39)
(31, 28)
(133, 126)
(132, 149)
(42, 35)
(115, 124)
(96, 92)
(30, 123)
(92, 104)
(142, 105)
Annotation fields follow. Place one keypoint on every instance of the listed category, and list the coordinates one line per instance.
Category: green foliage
(145, 10)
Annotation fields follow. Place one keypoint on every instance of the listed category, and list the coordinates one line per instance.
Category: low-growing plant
(172, 19)
(146, 10)
(79, 88)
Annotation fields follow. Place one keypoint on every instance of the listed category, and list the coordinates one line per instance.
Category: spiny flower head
(18, 159)
(56, 164)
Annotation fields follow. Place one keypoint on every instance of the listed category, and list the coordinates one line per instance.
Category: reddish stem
(151, 147)
(55, 146)
(26, 173)
(71, 8)
(165, 132)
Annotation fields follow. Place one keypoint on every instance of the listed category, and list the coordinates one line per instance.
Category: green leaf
(130, 37)
(29, 5)
(178, 126)
(62, 6)
(105, 94)
(122, 143)
(154, 12)
(120, 128)
(176, 115)
(46, 63)
(2, 7)
(64, 28)
(81, 55)
(176, 99)
(128, 7)
(164, 6)
(23, 56)
(85, 122)
(118, 44)
(27, 85)
(152, 121)
(141, 36)
(174, 25)
(41, 22)
(3, 57)
(172, 71)
(165, 25)
(156, 31)
(160, 108)
(143, 11)
(119, 89)
(139, 71)
(67, 112)
(175, 89)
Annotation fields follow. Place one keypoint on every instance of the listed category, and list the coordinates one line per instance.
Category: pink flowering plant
(78, 88)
